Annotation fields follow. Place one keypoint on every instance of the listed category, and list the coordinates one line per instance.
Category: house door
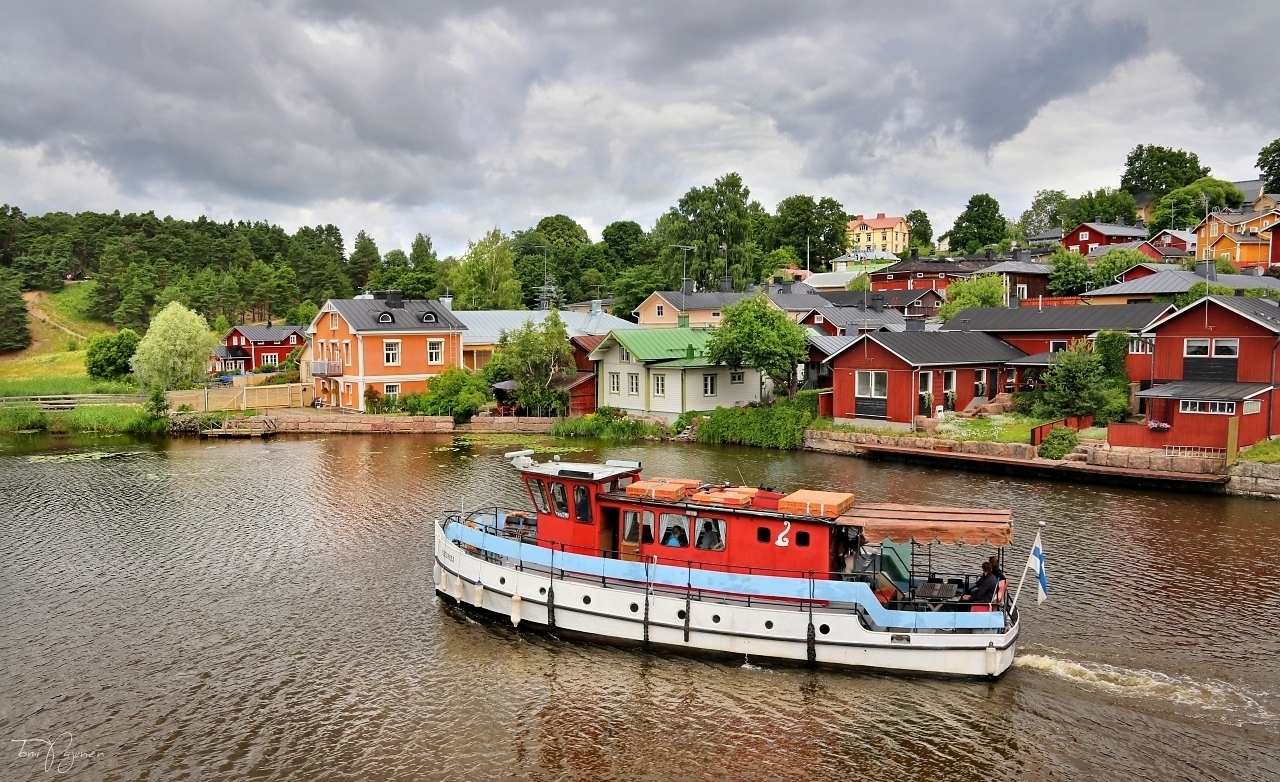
(926, 394)
(609, 532)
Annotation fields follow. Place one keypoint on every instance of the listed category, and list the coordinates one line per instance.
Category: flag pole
(1025, 568)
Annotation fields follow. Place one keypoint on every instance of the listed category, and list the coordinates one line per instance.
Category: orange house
(383, 342)
(1248, 226)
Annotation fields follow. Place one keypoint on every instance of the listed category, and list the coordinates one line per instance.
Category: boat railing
(493, 521)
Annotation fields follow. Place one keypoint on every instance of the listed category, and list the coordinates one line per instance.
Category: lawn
(1266, 452)
(1002, 428)
(55, 373)
(70, 307)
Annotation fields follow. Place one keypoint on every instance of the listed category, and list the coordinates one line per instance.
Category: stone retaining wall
(1150, 459)
(1252, 479)
(847, 442)
(330, 423)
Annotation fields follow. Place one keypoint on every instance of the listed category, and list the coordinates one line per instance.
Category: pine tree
(15, 333)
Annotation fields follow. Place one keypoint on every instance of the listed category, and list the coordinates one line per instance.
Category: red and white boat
(805, 577)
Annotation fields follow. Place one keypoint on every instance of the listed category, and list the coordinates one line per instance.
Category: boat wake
(1210, 695)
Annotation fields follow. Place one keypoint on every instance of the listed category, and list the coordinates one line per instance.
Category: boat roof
(925, 524)
(583, 471)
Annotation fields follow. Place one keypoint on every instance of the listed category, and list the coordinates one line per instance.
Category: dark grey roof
(1251, 188)
(893, 299)
(1111, 229)
(951, 266)
(1172, 282)
(1034, 360)
(230, 351)
(828, 345)
(1051, 235)
(1019, 267)
(700, 300)
(362, 315)
(1117, 317)
(851, 318)
(1208, 391)
(268, 333)
(942, 348)
(797, 286)
(1264, 312)
(797, 302)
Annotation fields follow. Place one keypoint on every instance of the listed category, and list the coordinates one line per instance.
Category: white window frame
(333, 321)
(391, 352)
(1062, 342)
(436, 345)
(1200, 407)
(1252, 406)
(926, 382)
(819, 319)
(662, 311)
(979, 375)
(633, 384)
(346, 352)
(1227, 342)
(615, 383)
(948, 380)
(1084, 236)
(660, 385)
(293, 339)
(624, 355)
(709, 385)
(737, 378)
(1021, 291)
(1198, 341)
(270, 359)
(1139, 345)
(865, 380)
(391, 391)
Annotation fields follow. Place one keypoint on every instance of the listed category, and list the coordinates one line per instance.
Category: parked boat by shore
(807, 577)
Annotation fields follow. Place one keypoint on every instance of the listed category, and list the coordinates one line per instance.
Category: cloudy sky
(453, 117)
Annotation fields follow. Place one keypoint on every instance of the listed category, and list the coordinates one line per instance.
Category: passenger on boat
(709, 536)
(996, 570)
(985, 590)
(675, 536)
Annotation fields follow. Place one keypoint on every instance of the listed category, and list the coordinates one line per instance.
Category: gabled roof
(877, 223)
(1164, 251)
(1251, 188)
(701, 300)
(950, 266)
(485, 327)
(861, 319)
(797, 302)
(233, 351)
(657, 345)
(267, 333)
(1241, 239)
(1153, 266)
(1111, 229)
(362, 315)
(588, 342)
(1187, 236)
(1205, 390)
(1174, 282)
(1264, 312)
(940, 348)
(1116, 317)
(1232, 217)
(891, 298)
(1051, 235)
(828, 345)
(1019, 267)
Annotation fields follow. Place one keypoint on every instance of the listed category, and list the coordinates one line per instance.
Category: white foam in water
(1210, 695)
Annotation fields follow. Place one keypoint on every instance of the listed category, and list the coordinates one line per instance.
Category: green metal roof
(663, 344)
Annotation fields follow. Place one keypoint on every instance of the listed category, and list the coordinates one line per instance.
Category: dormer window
(293, 339)
(428, 317)
(385, 317)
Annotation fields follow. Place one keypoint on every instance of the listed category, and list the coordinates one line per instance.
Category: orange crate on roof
(822, 504)
(688, 483)
(658, 489)
(726, 497)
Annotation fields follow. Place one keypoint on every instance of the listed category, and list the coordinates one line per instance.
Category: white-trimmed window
(1057, 345)
(715, 314)
(1021, 291)
(333, 321)
(948, 380)
(615, 383)
(391, 352)
(385, 317)
(1252, 406)
(391, 391)
(1215, 408)
(435, 351)
(346, 352)
(887, 276)
(872, 385)
(293, 339)
(270, 359)
(1226, 348)
(1140, 345)
(1213, 230)
(737, 378)
(633, 384)
(659, 385)
(819, 319)
(1093, 247)
(624, 355)
(1084, 236)
(662, 311)
(1195, 348)
(708, 385)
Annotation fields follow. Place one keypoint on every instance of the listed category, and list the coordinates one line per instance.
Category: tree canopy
(1045, 212)
(15, 331)
(1071, 274)
(535, 356)
(753, 333)
(175, 350)
(1113, 263)
(979, 225)
(921, 228)
(1185, 207)
(984, 290)
(820, 221)
(107, 355)
(1269, 165)
(1158, 170)
(1106, 204)
(486, 277)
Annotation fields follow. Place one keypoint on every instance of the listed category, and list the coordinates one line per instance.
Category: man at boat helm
(985, 590)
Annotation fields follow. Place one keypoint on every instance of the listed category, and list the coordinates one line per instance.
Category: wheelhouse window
(710, 535)
(763, 535)
(630, 526)
(802, 539)
(1193, 348)
(435, 351)
(539, 491)
(673, 530)
(582, 504)
(1222, 348)
(1214, 408)
(560, 500)
(391, 352)
(872, 385)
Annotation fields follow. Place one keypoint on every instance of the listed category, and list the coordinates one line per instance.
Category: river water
(249, 610)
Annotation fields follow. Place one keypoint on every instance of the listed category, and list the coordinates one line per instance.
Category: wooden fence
(57, 402)
(1076, 422)
(206, 400)
(1051, 301)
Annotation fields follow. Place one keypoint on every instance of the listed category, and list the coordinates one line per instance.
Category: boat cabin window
(710, 535)
(763, 535)
(648, 526)
(539, 495)
(802, 538)
(633, 531)
(626, 481)
(560, 501)
(582, 504)
(673, 529)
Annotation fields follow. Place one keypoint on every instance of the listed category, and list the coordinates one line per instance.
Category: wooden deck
(1054, 470)
(241, 427)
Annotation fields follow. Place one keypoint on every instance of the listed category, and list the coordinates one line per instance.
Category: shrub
(458, 392)
(1026, 402)
(23, 418)
(107, 355)
(780, 425)
(606, 427)
(686, 418)
(808, 400)
(157, 403)
(1060, 441)
(1112, 347)
(1114, 407)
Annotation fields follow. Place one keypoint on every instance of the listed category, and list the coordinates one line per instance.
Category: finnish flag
(1035, 563)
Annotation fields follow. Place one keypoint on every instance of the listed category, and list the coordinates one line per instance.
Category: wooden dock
(241, 427)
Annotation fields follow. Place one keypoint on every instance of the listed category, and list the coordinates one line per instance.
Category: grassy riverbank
(104, 419)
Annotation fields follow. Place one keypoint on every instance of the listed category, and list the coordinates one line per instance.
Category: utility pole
(547, 291)
(684, 273)
(806, 252)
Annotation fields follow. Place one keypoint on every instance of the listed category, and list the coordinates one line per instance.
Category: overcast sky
(451, 118)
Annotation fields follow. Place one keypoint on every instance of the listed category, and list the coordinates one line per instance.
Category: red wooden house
(582, 384)
(895, 376)
(840, 321)
(1088, 236)
(1146, 270)
(928, 273)
(245, 348)
(1214, 361)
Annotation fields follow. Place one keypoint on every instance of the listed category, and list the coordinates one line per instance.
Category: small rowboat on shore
(805, 577)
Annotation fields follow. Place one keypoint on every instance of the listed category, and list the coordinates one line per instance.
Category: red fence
(1052, 301)
(1076, 422)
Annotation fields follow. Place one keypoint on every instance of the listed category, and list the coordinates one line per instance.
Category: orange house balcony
(326, 368)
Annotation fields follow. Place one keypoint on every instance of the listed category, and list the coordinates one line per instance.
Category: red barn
(245, 348)
(1088, 236)
(1214, 360)
(895, 376)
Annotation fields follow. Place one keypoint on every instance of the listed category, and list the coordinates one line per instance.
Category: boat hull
(680, 621)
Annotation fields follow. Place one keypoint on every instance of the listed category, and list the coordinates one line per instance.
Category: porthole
(715, 618)
(502, 580)
(680, 614)
(634, 608)
(768, 625)
(824, 629)
(586, 601)
(542, 590)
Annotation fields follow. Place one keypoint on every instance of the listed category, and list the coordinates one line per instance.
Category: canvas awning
(930, 524)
